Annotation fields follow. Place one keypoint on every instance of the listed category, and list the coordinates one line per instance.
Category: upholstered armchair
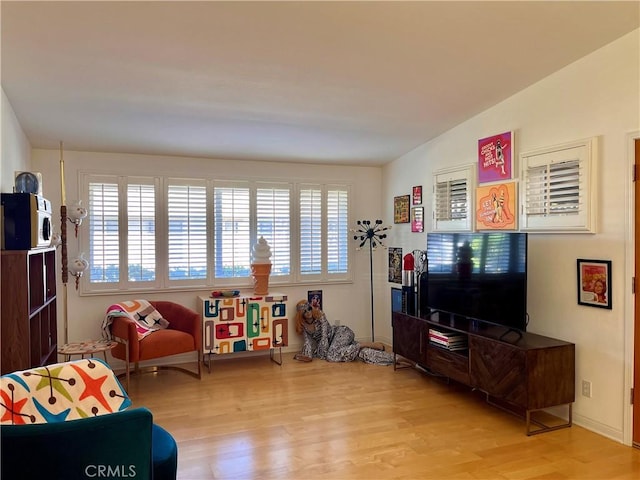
(72, 420)
(183, 335)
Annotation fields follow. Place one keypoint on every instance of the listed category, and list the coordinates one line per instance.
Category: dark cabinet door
(498, 369)
(409, 337)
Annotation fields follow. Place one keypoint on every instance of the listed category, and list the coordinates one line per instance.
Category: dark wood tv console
(520, 371)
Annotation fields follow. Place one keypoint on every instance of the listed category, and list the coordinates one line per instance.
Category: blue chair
(89, 430)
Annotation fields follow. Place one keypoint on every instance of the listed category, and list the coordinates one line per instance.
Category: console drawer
(449, 364)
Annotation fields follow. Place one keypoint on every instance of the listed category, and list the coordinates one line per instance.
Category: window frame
(162, 281)
(585, 152)
(465, 173)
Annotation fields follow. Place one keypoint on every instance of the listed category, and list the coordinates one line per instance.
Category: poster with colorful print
(395, 265)
(495, 158)
(594, 283)
(314, 297)
(496, 207)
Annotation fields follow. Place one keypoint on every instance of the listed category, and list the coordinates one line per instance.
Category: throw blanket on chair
(147, 318)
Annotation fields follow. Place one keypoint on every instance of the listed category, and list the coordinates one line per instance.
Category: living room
(596, 96)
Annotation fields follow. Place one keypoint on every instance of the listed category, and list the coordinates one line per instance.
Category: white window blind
(554, 189)
(150, 233)
(559, 193)
(104, 228)
(452, 199)
(337, 231)
(232, 232)
(310, 231)
(187, 230)
(273, 222)
(141, 235)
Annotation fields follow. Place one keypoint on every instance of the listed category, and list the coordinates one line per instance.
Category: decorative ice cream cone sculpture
(261, 267)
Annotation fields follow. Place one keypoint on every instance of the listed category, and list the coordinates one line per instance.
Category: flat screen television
(479, 276)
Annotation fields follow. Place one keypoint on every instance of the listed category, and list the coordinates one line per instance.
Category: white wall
(595, 96)
(15, 148)
(349, 303)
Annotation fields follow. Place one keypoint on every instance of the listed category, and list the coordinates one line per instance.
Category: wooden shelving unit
(28, 325)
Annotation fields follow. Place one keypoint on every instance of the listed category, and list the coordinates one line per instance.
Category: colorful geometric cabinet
(244, 324)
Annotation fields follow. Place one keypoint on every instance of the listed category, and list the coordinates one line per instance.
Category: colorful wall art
(496, 207)
(495, 158)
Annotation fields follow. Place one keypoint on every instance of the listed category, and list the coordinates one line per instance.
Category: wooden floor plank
(253, 419)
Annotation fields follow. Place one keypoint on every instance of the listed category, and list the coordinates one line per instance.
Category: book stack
(449, 340)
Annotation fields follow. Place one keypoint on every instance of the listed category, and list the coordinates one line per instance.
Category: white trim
(629, 272)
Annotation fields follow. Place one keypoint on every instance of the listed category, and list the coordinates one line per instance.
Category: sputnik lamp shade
(77, 267)
(76, 213)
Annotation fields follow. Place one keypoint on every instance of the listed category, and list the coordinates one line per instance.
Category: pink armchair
(183, 335)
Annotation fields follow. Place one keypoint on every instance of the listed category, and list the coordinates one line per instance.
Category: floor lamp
(366, 232)
(63, 247)
(78, 265)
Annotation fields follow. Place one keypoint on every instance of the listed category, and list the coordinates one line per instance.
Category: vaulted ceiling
(357, 83)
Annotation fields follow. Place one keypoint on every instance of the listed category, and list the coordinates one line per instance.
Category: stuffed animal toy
(334, 343)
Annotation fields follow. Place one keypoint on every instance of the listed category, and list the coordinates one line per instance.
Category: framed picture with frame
(594, 283)
(416, 196)
(401, 209)
(417, 219)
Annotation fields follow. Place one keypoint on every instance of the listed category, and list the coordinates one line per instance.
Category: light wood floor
(253, 419)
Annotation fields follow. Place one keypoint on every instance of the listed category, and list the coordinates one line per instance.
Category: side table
(88, 347)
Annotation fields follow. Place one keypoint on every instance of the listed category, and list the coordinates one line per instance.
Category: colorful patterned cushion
(60, 392)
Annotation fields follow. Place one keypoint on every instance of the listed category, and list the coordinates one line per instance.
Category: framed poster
(594, 283)
(417, 219)
(496, 207)
(314, 297)
(395, 265)
(495, 158)
(401, 209)
(416, 197)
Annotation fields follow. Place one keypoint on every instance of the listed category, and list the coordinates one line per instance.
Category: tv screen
(480, 276)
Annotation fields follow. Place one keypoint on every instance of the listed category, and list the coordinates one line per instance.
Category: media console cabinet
(520, 371)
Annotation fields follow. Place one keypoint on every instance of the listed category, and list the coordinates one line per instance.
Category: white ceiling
(356, 83)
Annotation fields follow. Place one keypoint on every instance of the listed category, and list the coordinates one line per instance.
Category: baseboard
(599, 428)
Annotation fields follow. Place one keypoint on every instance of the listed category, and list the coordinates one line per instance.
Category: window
(324, 232)
(452, 199)
(187, 229)
(558, 188)
(104, 232)
(141, 234)
(156, 232)
(232, 231)
(273, 222)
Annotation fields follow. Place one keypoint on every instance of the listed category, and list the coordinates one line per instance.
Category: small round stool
(89, 347)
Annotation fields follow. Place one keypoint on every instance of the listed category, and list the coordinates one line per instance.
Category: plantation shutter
(337, 231)
(558, 193)
(104, 227)
(310, 231)
(452, 208)
(232, 241)
(141, 234)
(187, 230)
(273, 207)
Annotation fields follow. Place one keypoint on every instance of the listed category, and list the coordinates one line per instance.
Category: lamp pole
(372, 233)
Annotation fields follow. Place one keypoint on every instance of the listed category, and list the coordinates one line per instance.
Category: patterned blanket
(147, 318)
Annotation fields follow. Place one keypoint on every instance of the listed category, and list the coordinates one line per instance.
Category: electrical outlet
(586, 388)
